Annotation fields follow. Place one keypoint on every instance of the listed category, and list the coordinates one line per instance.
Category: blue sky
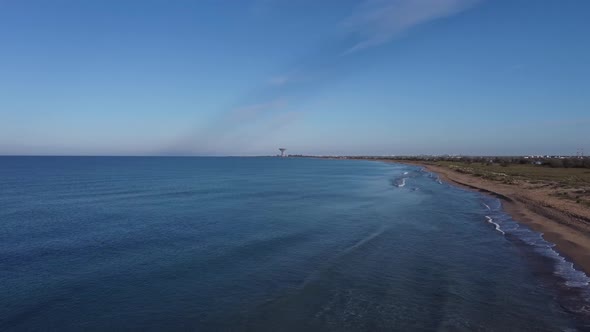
(122, 77)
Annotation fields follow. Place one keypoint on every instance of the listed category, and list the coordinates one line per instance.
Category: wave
(491, 221)
(399, 182)
(565, 272)
(317, 274)
(503, 223)
(431, 175)
(365, 240)
(562, 267)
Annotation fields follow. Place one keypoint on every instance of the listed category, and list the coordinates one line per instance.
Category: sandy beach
(563, 223)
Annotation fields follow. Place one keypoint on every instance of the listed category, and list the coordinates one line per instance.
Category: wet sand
(561, 222)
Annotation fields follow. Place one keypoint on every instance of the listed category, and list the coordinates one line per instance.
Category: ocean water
(268, 244)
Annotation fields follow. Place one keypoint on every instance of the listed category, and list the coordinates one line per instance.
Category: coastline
(569, 232)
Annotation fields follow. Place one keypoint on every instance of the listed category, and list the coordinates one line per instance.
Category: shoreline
(569, 233)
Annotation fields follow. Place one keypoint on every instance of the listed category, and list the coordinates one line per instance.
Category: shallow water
(208, 244)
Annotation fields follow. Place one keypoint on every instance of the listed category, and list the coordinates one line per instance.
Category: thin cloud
(263, 110)
(377, 22)
(256, 110)
(235, 130)
(278, 80)
(293, 75)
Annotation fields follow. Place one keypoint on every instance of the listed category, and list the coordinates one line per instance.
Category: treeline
(569, 163)
(554, 162)
(562, 162)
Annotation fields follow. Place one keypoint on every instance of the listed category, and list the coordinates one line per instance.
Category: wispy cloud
(238, 131)
(279, 80)
(263, 114)
(377, 22)
(291, 76)
(253, 111)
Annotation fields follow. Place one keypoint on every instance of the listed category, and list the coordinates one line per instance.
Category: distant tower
(282, 151)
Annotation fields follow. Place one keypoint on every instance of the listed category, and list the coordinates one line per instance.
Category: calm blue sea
(267, 244)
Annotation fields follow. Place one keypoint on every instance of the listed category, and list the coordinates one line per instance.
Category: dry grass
(567, 183)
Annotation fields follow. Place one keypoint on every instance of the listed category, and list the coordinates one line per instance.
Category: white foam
(403, 183)
(573, 277)
(405, 173)
(491, 221)
(435, 177)
(562, 267)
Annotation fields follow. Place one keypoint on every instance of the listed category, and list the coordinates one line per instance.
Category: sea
(268, 244)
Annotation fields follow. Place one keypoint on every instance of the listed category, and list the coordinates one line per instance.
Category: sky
(334, 77)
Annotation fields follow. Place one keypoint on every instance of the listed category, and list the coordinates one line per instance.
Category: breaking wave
(491, 221)
(399, 182)
(565, 272)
